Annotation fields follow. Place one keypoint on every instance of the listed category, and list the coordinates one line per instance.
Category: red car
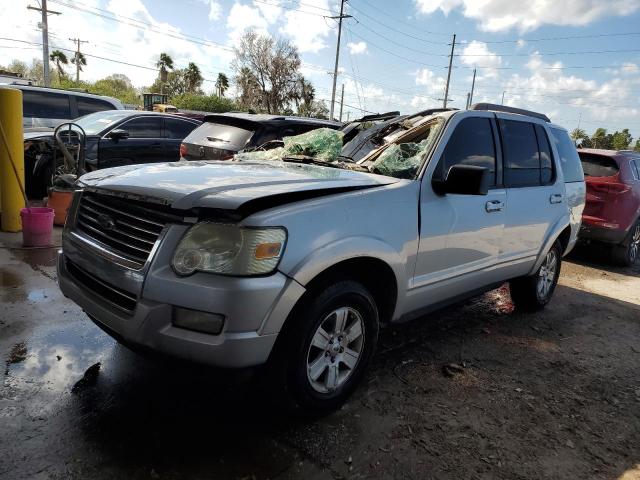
(612, 210)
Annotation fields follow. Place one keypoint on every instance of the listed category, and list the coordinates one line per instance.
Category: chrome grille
(128, 228)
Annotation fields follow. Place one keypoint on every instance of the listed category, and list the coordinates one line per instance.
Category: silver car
(298, 263)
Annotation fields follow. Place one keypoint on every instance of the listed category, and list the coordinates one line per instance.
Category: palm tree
(165, 63)
(59, 58)
(79, 60)
(193, 77)
(222, 84)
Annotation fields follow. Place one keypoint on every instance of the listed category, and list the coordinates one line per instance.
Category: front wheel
(534, 292)
(326, 347)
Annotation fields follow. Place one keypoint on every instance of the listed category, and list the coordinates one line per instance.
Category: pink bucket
(37, 225)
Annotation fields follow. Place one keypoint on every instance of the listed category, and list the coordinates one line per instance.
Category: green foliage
(117, 86)
(222, 84)
(203, 103)
(637, 146)
(621, 140)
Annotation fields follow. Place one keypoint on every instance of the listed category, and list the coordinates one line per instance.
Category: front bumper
(262, 303)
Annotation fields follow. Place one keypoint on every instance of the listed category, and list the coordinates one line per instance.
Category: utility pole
(446, 88)
(503, 92)
(44, 25)
(77, 41)
(335, 69)
(473, 86)
(341, 101)
(468, 99)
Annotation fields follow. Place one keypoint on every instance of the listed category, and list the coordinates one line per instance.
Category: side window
(521, 156)
(45, 105)
(144, 127)
(176, 128)
(470, 144)
(635, 166)
(546, 160)
(569, 159)
(88, 105)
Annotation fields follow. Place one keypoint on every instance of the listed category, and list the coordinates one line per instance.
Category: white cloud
(521, 43)
(307, 32)
(357, 48)
(215, 10)
(501, 15)
(477, 54)
(243, 17)
(629, 68)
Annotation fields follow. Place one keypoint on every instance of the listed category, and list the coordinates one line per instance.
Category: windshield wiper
(309, 160)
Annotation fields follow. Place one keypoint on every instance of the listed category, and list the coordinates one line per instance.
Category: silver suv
(297, 263)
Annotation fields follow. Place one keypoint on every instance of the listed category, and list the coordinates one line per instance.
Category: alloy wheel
(634, 246)
(547, 274)
(335, 349)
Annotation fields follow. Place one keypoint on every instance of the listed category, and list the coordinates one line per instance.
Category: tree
(581, 138)
(248, 89)
(204, 103)
(118, 86)
(59, 58)
(315, 108)
(621, 140)
(637, 146)
(222, 84)
(164, 64)
(192, 78)
(79, 60)
(602, 139)
(272, 66)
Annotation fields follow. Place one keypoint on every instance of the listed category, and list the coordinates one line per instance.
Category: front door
(460, 235)
(144, 144)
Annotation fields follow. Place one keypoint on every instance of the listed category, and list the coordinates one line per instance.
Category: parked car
(113, 138)
(297, 263)
(49, 107)
(612, 211)
(221, 136)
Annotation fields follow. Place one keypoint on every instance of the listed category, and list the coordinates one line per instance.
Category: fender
(349, 248)
(553, 234)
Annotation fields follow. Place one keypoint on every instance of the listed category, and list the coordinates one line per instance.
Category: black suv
(221, 136)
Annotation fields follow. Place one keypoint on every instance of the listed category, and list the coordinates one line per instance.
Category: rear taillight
(608, 187)
(183, 150)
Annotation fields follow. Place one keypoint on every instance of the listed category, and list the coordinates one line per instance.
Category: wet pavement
(476, 391)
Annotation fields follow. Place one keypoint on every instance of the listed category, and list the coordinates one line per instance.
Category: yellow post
(11, 199)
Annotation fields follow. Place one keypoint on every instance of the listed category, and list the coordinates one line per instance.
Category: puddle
(49, 365)
(36, 258)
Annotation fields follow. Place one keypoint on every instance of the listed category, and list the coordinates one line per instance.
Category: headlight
(229, 250)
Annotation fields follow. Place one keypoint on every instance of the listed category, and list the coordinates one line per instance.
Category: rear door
(175, 130)
(45, 109)
(535, 192)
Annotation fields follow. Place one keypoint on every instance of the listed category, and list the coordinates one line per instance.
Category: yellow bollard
(11, 199)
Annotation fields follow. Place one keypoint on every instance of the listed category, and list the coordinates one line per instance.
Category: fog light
(198, 321)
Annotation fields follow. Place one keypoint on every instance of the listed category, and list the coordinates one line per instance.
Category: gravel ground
(475, 391)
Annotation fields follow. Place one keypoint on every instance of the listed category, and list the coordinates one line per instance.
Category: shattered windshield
(397, 154)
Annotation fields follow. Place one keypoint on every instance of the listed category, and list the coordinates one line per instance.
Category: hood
(228, 185)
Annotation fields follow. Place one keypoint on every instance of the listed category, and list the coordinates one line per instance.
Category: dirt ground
(476, 391)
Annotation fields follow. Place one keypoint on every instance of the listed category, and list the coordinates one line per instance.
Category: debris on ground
(89, 378)
(452, 369)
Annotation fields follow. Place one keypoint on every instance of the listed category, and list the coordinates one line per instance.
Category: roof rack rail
(502, 108)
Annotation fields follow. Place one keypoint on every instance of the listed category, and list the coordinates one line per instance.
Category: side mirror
(463, 180)
(118, 134)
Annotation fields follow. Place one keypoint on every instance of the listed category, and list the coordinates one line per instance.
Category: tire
(533, 292)
(314, 371)
(627, 253)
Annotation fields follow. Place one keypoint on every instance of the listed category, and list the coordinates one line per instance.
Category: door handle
(555, 198)
(494, 206)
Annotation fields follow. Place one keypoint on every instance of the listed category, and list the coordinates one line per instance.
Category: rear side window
(598, 165)
(45, 105)
(569, 159)
(546, 160)
(521, 155)
(88, 105)
(635, 167)
(178, 129)
(471, 143)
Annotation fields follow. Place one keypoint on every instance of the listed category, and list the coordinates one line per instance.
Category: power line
(395, 29)
(391, 17)
(591, 52)
(403, 46)
(568, 37)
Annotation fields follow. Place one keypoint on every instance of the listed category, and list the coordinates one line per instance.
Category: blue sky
(393, 55)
